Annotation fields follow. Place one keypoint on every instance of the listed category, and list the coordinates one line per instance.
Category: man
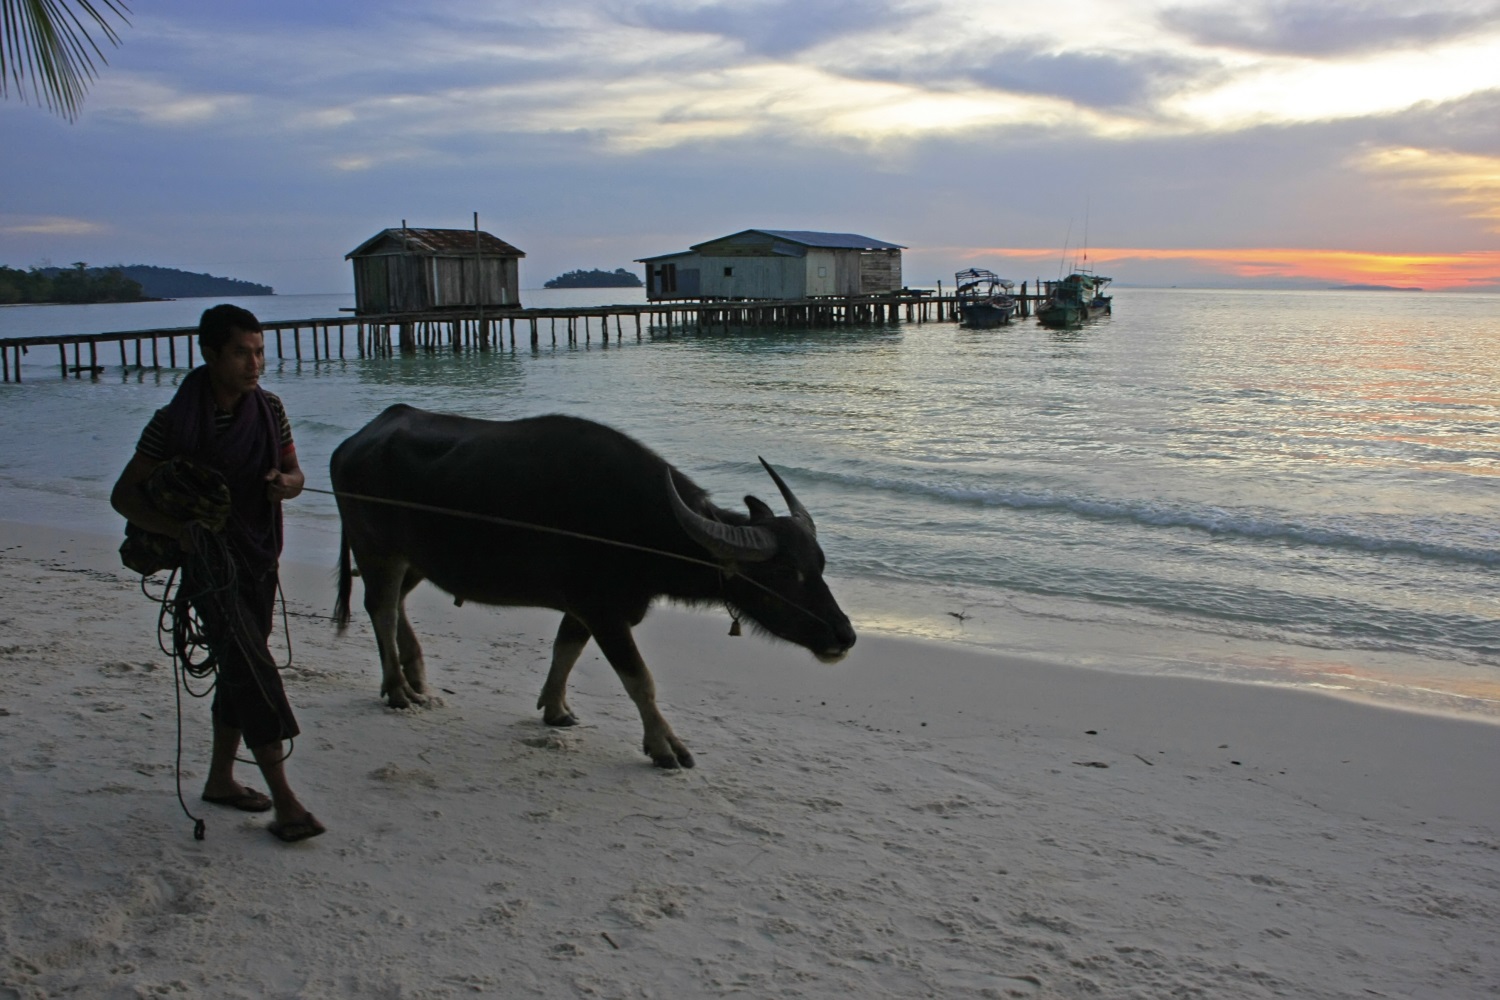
(222, 418)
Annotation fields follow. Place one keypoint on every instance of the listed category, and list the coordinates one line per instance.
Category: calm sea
(1273, 487)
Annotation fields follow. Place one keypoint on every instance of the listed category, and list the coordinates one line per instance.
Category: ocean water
(1265, 487)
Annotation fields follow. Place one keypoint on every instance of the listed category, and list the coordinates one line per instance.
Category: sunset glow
(1433, 272)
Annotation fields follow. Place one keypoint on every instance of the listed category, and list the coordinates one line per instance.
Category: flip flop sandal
(250, 801)
(296, 830)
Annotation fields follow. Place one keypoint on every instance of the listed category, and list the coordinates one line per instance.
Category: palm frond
(48, 48)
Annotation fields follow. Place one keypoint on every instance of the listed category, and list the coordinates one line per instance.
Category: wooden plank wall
(879, 271)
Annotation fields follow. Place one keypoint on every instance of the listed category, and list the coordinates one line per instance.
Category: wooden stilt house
(423, 270)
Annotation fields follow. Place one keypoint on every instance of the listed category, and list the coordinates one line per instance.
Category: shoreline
(1080, 641)
(1083, 640)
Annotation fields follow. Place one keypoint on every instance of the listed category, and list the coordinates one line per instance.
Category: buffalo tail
(346, 584)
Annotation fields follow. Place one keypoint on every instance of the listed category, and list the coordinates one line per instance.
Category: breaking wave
(1156, 514)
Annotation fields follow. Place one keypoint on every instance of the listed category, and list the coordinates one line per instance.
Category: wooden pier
(327, 338)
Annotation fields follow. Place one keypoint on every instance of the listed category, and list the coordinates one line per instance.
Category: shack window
(728, 272)
(822, 272)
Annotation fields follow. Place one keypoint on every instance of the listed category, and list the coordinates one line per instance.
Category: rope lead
(507, 522)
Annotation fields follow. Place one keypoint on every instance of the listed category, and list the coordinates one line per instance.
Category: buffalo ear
(759, 511)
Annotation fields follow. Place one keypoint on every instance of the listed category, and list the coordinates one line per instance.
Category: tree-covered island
(618, 278)
(76, 284)
(119, 283)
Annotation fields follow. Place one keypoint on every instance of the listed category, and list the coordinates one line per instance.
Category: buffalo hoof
(566, 719)
(677, 757)
(404, 697)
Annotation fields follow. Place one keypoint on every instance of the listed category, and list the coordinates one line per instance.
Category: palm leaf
(47, 50)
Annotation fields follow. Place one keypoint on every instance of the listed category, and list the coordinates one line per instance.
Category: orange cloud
(1451, 271)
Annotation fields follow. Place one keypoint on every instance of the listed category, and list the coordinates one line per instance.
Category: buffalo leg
(383, 605)
(572, 636)
(409, 650)
(660, 744)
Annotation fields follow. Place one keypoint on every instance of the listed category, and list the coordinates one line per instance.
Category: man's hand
(283, 484)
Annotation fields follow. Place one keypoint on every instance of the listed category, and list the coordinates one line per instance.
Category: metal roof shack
(776, 264)
(422, 270)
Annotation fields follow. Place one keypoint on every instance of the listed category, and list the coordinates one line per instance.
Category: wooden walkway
(377, 336)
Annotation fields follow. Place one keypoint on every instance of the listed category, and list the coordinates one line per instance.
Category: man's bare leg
(221, 785)
(293, 820)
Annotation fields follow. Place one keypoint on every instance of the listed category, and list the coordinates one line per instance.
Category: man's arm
(286, 482)
(129, 499)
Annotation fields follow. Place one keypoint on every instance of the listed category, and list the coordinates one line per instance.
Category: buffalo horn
(799, 512)
(742, 543)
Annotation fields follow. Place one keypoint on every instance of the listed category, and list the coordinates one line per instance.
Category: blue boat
(984, 298)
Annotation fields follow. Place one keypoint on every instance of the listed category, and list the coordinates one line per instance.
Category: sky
(1247, 143)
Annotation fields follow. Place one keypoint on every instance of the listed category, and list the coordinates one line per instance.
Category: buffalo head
(773, 570)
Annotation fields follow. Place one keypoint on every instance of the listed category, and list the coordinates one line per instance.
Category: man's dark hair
(218, 323)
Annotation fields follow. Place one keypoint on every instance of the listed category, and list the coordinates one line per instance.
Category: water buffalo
(560, 512)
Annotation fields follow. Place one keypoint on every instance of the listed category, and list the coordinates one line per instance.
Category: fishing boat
(984, 298)
(1074, 299)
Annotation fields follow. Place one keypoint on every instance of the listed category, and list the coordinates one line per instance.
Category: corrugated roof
(664, 256)
(439, 243)
(827, 241)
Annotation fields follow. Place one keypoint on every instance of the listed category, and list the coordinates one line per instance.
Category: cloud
(1093, 79)
(676, 73)
(152, 101)
(1114, 80)
(1286, 90)
(654, 109)
(780, 28)
(49, 225)
(1301, 28)
(1469, 182)
(1466, 125)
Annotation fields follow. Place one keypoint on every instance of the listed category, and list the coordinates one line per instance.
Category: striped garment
(153, 442)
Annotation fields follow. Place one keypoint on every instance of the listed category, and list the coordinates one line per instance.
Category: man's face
(236, 368)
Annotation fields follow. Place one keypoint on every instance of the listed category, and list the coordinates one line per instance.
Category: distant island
(618, 278)
(78, 284)
(1371, 288)
(119, 283)
(170, 283)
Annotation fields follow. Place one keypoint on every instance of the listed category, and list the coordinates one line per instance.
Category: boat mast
(1062, 263)
(1086, 199)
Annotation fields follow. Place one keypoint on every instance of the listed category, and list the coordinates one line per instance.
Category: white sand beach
(917, 821)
